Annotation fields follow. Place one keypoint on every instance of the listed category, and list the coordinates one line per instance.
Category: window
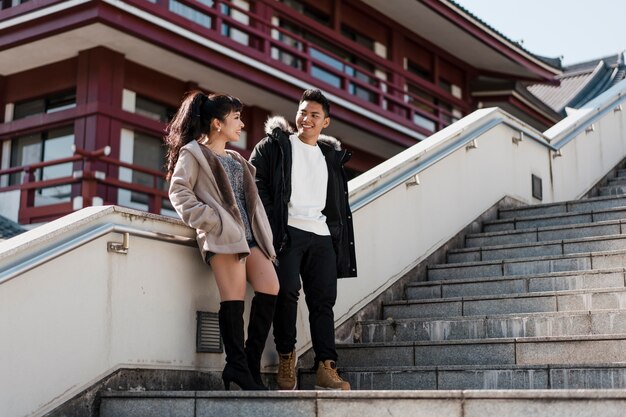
(45, 105)
(191, 13)
(153, 110)
(232, 32)
(42, 147)
(418, 70)
(18, 2)
(357, 37)
(148, 152)
(336, 61)
(451, 88)
(308, 11)
(426, 104)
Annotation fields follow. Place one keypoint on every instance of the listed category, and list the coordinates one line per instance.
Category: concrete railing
(71, 312)
(408, 206)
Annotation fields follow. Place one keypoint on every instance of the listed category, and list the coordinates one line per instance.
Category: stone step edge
(514, 246)
(486, 235)
(503, 316)
(538, 294)
(470, 368)
(553, 215)
(504, 340)
(528, 259)
(617, 179)
(368, 395)
(546, 275)
(568, 202)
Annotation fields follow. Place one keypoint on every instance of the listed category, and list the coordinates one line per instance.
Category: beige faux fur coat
(203, 198)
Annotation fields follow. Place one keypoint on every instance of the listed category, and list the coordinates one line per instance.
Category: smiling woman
(213, 191)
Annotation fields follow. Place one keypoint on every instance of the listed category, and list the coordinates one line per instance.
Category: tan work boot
(328, 378)
(286, 378)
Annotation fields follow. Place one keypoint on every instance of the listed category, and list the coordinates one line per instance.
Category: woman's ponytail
(189, 123)
(193, 119)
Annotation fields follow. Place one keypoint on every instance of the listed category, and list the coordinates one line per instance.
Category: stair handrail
(49, 254)
(365, 189)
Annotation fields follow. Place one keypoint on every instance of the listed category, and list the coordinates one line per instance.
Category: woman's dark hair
(313, 94)
(193, 119)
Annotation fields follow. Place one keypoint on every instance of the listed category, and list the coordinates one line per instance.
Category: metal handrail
(47, 255)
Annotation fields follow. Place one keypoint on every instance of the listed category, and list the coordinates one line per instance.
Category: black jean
(311, 257)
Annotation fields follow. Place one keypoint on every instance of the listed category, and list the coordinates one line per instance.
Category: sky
(577, 30)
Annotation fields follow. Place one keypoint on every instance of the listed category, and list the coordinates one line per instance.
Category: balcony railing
(89, 182)
(255, 36)
(253, 33)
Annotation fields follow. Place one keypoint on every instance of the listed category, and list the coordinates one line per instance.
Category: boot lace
(332, 372)
(286, 370)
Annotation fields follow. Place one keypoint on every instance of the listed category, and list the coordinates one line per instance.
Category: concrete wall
(81, 316)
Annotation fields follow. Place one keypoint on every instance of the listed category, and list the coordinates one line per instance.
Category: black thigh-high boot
(231, 327)
(261, 316)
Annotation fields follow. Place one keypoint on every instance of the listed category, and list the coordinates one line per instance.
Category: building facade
(87, 86)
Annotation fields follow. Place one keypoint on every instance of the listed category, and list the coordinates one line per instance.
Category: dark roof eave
(544, 68)
(530, 100)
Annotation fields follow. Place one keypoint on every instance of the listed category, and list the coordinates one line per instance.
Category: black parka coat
(272, 159)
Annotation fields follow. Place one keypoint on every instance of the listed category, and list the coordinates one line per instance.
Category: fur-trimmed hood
(280, 122)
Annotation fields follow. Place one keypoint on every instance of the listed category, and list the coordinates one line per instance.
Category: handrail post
(27, 195)
(89, 180)
(88, 186)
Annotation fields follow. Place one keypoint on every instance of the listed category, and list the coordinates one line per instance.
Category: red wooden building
(87, 86)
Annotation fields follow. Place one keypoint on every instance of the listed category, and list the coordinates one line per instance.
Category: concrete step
(482, 377)
(528, 266)
(619, 180)
(556, 281)
(566, 350)
(553, 301)
(543, 234)
(492, 327)
(580, 300)
(590, 204)
(547, 220)
(405, 403)
(547, 248)
(614, 189)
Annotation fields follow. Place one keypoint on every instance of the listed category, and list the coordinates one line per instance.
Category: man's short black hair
(313, 94)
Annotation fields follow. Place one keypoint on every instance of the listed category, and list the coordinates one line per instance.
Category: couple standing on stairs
(287, 206)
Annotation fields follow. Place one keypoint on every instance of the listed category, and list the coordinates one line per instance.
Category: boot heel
(226, 384)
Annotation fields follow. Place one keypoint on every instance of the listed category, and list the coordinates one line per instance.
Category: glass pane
(192, 14)
(29, 108)
(148, 152)
(326, 59)
(153, 110)
(24, 151)
(61, 101)
(326, 76)
(286, 58)
(422, 121)
(362, 93)
(58, 145)
(49, 104)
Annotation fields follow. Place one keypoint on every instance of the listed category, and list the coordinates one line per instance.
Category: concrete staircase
(535, 301)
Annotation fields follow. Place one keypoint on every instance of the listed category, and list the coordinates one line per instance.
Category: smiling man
(303, 187)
